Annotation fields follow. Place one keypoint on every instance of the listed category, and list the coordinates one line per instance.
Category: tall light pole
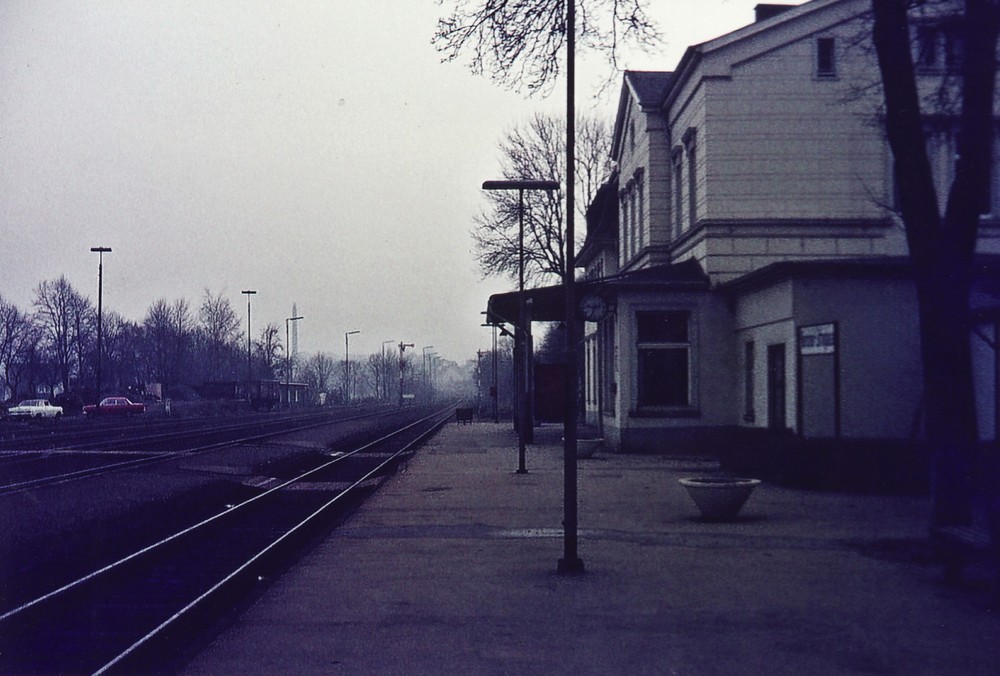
(521, 335)
(423, 365)
(347, 363)
(248, 293)
(100, 251)
(402, 365)
(384, 394)
(570, 563)
(288, 363)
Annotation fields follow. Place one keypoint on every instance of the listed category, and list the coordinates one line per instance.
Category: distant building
(744, 269)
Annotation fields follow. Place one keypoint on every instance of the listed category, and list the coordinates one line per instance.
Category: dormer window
(826, 57)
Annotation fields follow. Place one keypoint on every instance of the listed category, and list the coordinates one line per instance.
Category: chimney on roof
(765, 11)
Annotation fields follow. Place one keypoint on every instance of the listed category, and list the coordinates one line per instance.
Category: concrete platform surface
(451, 569)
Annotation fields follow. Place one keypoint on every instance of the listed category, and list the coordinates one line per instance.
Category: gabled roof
(648, 88)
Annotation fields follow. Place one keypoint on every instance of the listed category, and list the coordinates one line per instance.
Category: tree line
(51, 347)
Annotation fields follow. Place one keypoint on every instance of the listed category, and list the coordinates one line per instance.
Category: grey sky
(316, 151)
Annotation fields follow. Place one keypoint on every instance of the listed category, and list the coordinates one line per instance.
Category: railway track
(134, 612)
(73, 456)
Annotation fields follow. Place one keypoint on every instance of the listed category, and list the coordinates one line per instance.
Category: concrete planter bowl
(719, 498)
(585, 448)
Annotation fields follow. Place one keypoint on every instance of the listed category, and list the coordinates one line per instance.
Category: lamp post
(347, 363)
(423, 367)
(100, 251)
(521, 335)
(384, 394)
(288, 363)
(248, 293)
(570, 563)
(402, 365)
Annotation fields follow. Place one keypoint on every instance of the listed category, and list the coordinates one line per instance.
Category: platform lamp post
(520, 336)
(100, 251)
(384, 394)
(423, 367)
(494, 395)
(249, 293)
(570, 563)
(288, 363)
(347, 363)
(402, 365)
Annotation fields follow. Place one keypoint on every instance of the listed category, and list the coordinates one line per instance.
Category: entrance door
(776, 397)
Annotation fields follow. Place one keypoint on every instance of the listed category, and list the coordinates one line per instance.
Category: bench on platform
(463, 415)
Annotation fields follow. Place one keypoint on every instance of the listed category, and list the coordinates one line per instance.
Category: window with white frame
(623, 248)
(826, 57)
(663, 350)
(691, 149)
(678, 158)
(640, 240)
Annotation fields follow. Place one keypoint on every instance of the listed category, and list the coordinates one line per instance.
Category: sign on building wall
(817, 339)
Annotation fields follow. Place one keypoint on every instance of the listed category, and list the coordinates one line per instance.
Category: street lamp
(493, 390)
(402, 364)
(347, 363)
(100, 251)
(423, 365)
(248, 293)
(520, 337)
(384, 394)
(288, 364)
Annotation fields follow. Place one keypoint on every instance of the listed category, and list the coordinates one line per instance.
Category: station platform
(450, 568)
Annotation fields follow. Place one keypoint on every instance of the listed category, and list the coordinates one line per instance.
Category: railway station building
(744, 271)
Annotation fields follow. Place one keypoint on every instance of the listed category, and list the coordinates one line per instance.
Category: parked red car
(114, 406)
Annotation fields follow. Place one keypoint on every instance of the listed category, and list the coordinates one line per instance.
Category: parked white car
(35, 408)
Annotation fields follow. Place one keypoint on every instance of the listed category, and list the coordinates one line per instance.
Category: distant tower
(295, 332)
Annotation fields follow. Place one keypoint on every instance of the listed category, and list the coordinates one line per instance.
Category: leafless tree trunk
(942, 247)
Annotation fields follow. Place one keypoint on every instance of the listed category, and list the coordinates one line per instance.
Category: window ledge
(676, 412)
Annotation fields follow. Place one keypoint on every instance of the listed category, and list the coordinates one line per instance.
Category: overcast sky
(316, 151)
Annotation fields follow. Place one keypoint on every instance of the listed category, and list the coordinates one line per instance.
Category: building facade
(744, 268)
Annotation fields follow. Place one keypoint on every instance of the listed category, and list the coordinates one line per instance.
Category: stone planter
(585, 448)
(719, 498)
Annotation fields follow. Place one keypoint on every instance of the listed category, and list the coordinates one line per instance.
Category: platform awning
(548, 303)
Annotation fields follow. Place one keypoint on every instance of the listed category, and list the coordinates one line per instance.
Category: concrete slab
(450, 568)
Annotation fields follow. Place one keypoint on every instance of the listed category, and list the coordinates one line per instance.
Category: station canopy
(548, 303)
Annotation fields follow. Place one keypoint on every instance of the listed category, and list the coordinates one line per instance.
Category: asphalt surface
(451, 569)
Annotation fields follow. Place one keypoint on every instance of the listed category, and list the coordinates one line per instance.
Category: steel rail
(96, 574)
(109, 468)
(280, 540)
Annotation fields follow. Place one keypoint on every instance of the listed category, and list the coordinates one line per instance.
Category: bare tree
(537, 151)
(18, 336)
(160, 330)
(221, 332)
(59, 309)
(942, 245)
(520, 44)
(268, 348)
(318, 371)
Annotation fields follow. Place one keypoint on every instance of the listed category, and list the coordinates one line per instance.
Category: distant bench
(463, 415)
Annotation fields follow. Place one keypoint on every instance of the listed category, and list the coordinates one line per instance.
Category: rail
(120, 594)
